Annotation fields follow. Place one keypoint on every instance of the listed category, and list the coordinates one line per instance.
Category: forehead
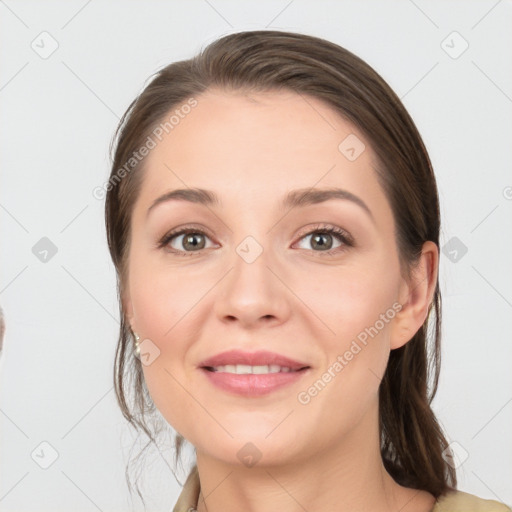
(267, 123)
(260, 145)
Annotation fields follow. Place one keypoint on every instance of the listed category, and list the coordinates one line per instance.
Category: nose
(253, 292)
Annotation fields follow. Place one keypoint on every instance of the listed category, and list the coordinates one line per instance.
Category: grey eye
(191, 241)
(321, 241)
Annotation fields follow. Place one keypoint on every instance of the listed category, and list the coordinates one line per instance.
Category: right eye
(184, 242)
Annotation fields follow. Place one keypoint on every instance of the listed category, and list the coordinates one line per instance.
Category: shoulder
(189, 496)
(459, 501)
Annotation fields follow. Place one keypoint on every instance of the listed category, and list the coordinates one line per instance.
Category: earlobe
(417, 296)
(128, 309)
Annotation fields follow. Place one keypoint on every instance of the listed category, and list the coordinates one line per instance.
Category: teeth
(241, 369)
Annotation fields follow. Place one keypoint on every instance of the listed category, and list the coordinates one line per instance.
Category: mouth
(252, 373)
(245, 369)
(242, 362)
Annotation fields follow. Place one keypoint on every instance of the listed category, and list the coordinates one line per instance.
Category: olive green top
(454, 501)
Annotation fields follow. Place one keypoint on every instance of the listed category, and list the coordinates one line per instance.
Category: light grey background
(58, 116)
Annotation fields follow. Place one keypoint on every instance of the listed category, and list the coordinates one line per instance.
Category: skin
(252, 149)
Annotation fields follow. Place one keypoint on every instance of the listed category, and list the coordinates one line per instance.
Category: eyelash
(341, 234)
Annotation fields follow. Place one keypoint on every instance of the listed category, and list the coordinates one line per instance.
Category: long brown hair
(413, 446)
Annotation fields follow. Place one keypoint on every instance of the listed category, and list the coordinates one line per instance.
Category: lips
(259, 358)
(252, 374)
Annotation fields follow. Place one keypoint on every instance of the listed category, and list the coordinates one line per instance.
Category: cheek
(163, 298)
(351, 300)
(357, 307)
(157, 308)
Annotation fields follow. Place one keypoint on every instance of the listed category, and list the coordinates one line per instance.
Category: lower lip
(251, 384)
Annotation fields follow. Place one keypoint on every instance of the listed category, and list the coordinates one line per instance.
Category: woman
(273, 218)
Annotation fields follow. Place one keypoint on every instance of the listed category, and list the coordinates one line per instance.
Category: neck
(346, 477)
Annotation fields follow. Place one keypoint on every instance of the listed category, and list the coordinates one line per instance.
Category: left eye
(322, 239)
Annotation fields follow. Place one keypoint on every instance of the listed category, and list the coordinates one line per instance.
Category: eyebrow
(294, 199)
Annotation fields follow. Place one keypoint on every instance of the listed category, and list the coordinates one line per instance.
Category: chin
(254, 448)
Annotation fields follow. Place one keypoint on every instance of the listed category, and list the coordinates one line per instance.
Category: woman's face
(261, 275)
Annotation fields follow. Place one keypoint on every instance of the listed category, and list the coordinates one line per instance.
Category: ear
(128, 309)
(415, 296)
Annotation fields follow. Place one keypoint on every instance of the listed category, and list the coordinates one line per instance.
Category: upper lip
(260, 357)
